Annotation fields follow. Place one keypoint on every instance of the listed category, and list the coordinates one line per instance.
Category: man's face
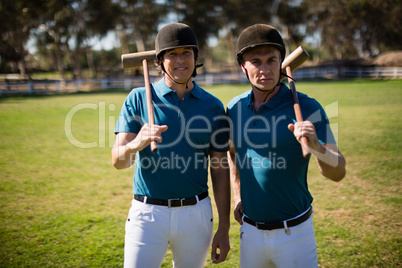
(179, 63)
(263, 66)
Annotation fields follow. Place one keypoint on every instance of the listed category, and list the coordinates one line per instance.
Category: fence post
(209, 78)
(104, 83)
(77, 84)
(127, 83)
(30, 87)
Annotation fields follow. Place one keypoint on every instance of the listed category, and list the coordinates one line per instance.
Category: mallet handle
(154, 147)
(296, 106)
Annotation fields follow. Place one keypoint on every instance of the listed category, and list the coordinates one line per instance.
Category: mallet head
(131, 60)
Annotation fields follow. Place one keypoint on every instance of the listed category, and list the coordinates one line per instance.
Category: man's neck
(181, 89)
(263, 96)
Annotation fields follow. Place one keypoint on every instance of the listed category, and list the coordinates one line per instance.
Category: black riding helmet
(259, 35)
(175, 35)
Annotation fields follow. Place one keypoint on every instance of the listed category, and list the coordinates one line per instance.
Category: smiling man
(171, 204)
(267, 168)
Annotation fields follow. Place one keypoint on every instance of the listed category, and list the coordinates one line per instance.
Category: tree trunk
(91, 63)
(139, 42)
(231, 57)
(22, 68)
(60, 62)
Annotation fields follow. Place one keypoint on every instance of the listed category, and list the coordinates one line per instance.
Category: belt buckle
(174, 199)
(258, 224)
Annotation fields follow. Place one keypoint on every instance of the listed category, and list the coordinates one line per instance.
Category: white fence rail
(66, 86)
(55, 86)
(349, 72)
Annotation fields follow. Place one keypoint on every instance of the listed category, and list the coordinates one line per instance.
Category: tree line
(62, 29)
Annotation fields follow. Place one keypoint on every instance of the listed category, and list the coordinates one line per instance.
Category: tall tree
(240, 14)
(56, 20)
(379, 26)
(19, 18)
(290, 22)
(201, 16)
(138, 24)
(93, 19)
(67, 23)
(352, 27)
(211, 18)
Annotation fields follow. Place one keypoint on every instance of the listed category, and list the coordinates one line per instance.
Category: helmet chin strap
(171, 78)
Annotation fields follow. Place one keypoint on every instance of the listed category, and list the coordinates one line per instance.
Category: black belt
(175, 202)
(279, 225)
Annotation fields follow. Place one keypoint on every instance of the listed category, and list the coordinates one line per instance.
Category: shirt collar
(165, 90)
(275, 101)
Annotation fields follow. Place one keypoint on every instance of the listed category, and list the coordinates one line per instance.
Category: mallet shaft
(151, 120)
(296, 106)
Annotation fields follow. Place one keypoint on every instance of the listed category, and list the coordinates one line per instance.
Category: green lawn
(64, 205)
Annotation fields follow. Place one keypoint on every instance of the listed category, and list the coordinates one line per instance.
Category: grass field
(62, 204)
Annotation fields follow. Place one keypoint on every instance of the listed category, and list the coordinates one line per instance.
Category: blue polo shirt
(273, 171)
(196, 125)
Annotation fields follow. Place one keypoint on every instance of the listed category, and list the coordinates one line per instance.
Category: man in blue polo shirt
(171, 203)
(267, 168)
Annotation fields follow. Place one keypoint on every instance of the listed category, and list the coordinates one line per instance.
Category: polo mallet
(134, 60)
(291, 63)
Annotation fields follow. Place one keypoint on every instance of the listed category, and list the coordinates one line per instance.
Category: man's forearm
(331, 162)
(221, 188)
(124, 149)
(122, 157)
(234, 176)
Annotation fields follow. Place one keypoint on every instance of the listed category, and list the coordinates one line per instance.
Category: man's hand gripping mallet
(135, 60)
(297, 57)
